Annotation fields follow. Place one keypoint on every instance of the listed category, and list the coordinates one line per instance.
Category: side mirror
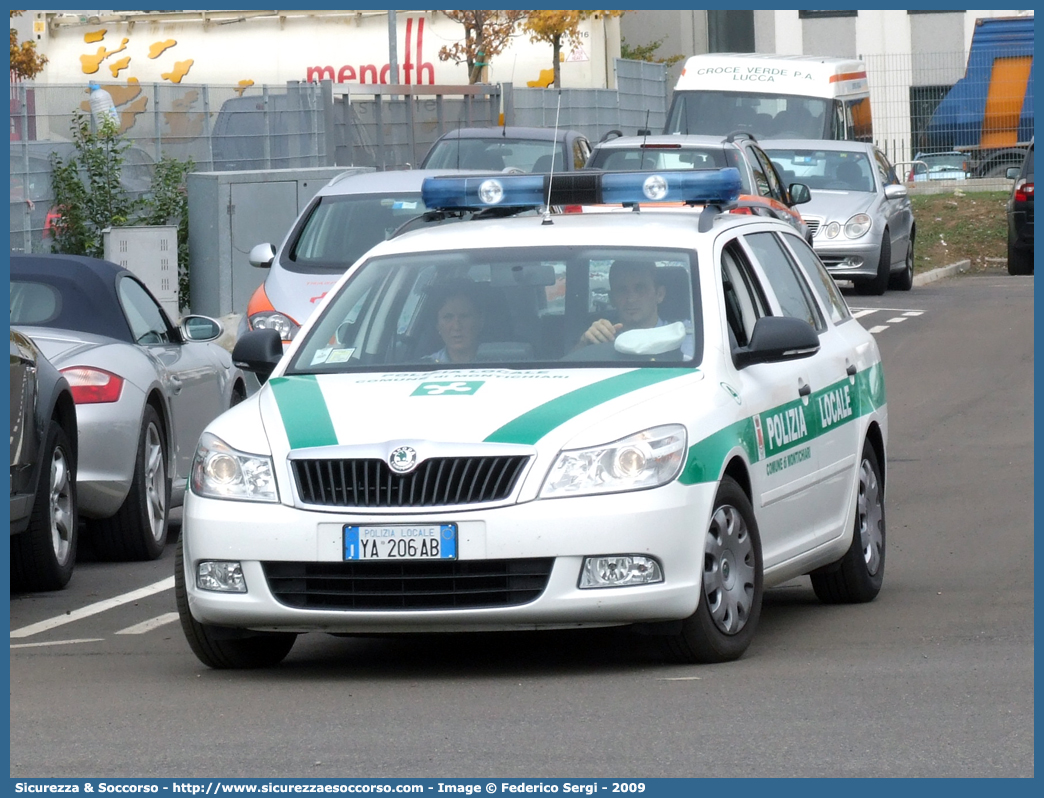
(258, 351)
(1012, 173)
(895, 191)
(777, 338)
(799, 194)
(200, 328)
(262, 256)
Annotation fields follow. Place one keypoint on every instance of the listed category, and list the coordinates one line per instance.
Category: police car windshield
(340, 229)
(514, 308)
(718, 113)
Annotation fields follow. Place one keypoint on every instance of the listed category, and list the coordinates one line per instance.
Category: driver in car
(636, 295)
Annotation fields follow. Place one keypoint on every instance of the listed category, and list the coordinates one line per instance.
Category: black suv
(1020, 217)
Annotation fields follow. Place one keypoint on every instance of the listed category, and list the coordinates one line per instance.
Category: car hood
(297, 294)
(546, 409)
(838, 206)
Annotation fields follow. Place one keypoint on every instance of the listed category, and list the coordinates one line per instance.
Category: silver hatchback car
(860, 213)
(347, 217)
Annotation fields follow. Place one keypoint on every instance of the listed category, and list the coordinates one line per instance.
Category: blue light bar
(484, 192)
(718, 186)
(710, 186)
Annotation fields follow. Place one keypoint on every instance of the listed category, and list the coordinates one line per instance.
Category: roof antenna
(551, 175)
(645, 136)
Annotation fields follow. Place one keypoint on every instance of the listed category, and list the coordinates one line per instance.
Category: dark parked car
(515, 149)
(43, 471)
(1020, 217)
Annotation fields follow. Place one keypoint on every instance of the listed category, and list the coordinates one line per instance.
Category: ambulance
(546, 421)
(772, 96)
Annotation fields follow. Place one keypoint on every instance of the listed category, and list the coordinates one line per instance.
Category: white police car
(542, 422)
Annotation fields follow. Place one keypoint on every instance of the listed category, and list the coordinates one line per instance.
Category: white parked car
(546, 422)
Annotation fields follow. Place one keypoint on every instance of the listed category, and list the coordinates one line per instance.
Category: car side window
(819, 278)
(744, 302)
(147, 321)
(760, 178)
(791, 290)
(581, 152)
(775, 189)
(884, 169)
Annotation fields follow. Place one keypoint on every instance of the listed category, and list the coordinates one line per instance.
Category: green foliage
(90, 197)
(647, 52)
(167, 203)
(88, 193)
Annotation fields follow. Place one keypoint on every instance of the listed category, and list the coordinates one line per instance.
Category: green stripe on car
(538, 422)
(304, 412)
(786, 426)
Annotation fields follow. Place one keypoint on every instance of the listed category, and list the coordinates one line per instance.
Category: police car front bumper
(665, 523)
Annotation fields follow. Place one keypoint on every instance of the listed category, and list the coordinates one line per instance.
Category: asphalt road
(934, 678)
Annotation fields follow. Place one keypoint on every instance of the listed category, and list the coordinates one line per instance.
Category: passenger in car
(636, 294)
(459, 321)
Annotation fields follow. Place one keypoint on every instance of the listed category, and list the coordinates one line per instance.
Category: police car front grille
(447, 585)
(437, 482)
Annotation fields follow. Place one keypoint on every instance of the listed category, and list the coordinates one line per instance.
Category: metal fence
(989, 117)
(232, 128)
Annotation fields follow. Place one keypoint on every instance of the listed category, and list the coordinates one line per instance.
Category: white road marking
(679, 678)
(878, 328)
(58, 642)
(913, 312)
(896, 319)
(149, 625)
(93, 609)
(889, 310)
(858, 314)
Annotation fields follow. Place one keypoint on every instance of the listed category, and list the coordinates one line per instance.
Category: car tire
(858, 575)
(43, 556)
(727, 615)
(903, 281)
(221, 648)
(238, 394)
(875, 286)
(1019, 261)
(138, 530)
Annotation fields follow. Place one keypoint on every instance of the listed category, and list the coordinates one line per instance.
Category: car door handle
(851, 370)
(804, 389)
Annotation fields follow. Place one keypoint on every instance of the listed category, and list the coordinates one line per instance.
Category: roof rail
(735, 134)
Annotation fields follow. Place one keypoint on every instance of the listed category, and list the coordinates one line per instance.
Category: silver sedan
(860, 212)
(144, 390)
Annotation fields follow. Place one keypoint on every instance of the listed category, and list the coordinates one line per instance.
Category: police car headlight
(271, 320)
(221, 472)
(644, 460)
(857, 226)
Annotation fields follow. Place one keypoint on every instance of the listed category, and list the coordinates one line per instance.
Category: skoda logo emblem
(403, 459)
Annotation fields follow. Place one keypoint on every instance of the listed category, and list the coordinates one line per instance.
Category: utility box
(231, 212)
(151, 252)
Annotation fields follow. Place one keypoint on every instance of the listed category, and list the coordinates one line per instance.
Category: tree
(558, 27)
(647, 52)
(486, 34)
(26, 63)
